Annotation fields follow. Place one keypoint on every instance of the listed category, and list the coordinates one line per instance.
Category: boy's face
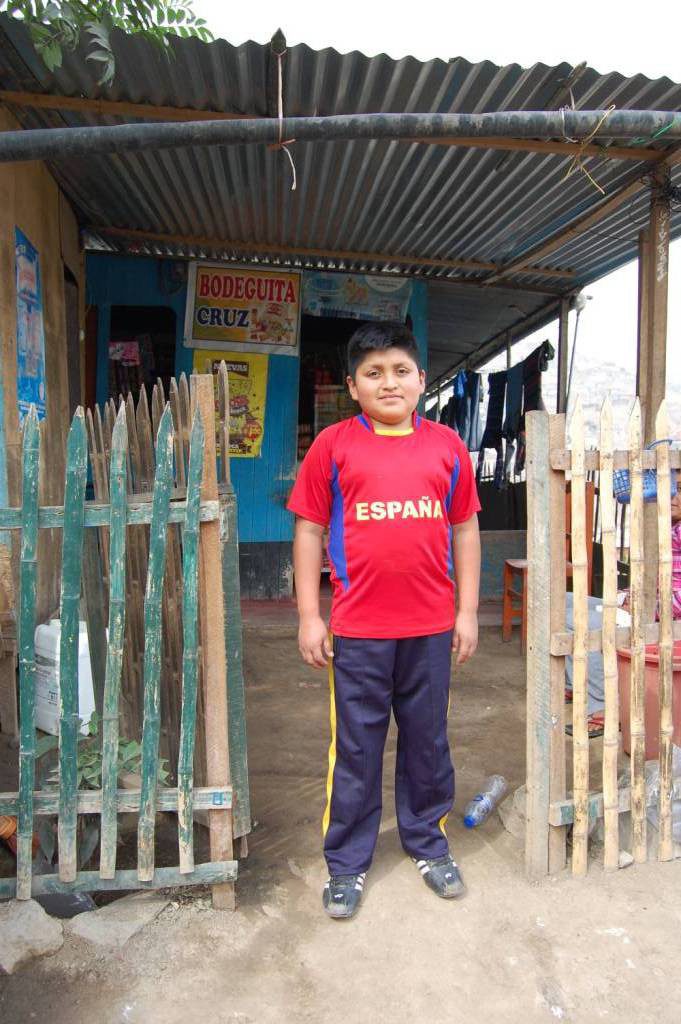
(388, 385)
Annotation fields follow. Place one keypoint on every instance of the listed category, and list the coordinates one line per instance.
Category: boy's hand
(465, 640)
(313, 642)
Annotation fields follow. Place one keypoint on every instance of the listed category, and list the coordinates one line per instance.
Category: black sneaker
(442, 875)
(342, 894)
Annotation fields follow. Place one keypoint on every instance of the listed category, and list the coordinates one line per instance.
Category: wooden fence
(571, 786)
(156, 555)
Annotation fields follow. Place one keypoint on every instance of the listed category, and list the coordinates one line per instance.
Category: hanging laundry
(448, 414)
(472, 437)
(514, 401)
(474, 395)
(495, 410)
(461, 415)
(492, 437)
(533, 367)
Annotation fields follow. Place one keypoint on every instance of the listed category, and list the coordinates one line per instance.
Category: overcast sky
(524, 33)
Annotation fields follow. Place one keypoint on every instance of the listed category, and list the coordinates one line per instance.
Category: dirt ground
(604, 948)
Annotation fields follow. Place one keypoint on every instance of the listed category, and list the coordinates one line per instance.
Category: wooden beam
(89, 881)
(562, 643)
(115, 108)
(557, 760)
(560, 459)
(213, 655)
(151, 112)
(583, 224)
(521, 265)
(538, 722)
(262, 248)
(548, 148)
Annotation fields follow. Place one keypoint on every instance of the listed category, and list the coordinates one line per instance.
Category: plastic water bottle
(494, 789)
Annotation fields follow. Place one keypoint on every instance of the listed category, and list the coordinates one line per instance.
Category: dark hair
(377, 337)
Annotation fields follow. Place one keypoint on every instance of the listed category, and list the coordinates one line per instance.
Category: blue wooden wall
(261, 484)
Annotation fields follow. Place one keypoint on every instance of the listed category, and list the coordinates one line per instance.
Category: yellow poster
(247, 374)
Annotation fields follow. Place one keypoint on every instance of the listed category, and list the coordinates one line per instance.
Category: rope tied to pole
(281, 144)
(577, 162)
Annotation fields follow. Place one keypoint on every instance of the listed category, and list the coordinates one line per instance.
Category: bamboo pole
(666, 645)
(637, 702)
(580, 732)
(611, 730)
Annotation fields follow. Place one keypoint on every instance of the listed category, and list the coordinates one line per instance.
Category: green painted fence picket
(151, 731)
(76, 518)
(72, 557)
(114, 658)
(190, 660)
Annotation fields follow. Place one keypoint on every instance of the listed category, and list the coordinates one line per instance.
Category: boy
(393, 489)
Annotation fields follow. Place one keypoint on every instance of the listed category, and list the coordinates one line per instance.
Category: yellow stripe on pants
(443, 820)
(332, 746)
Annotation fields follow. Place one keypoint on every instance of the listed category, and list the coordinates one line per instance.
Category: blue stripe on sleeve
(448, 503)
(337, 531)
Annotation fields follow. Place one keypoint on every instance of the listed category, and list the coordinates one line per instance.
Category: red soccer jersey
(389, 503)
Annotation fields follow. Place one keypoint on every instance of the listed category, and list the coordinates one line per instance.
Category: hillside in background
(592, 380)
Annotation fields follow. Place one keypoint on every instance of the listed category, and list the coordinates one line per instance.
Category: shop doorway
(141, 349)
(323, 396)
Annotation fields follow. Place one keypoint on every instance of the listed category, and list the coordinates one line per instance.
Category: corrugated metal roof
(430, 202)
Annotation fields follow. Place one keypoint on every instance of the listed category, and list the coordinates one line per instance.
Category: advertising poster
(356, 296)
(242, 308)
(30, 329)
(247, 374)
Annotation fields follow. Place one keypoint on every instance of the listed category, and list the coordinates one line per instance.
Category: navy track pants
(367, 678)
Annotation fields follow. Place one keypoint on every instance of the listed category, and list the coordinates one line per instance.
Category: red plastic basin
(652, 697)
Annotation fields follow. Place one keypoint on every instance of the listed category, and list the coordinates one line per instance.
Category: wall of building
(261, 484)
(31, 200)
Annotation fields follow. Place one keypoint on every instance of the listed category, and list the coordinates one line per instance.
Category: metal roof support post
(561, 390)
(509, 343)
(654, 352)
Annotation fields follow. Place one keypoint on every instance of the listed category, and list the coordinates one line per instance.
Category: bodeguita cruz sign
(256, 309)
